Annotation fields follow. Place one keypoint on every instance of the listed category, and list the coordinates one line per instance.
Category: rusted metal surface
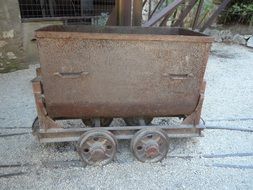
(93, 73)
(126, 13)
(137, 13)
(97, 147)
(121, 72)
(150, 145)
(112, 20)
(73, 134)
(124, 8)
(194, 118)
(50, 131)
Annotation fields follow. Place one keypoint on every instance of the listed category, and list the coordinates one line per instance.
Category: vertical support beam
(112, 20)
(195, 22)
(124, 9)
(137, 13)
(121, 14)
(51, 7)
(214, 15)
(163, 13)
(42, 6)
(149, 8)
(184, 13)
(82, 7)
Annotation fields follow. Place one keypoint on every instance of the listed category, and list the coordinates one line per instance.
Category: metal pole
(163, 13)
(214, 15)
(184, 13)
(137, 13)
(195, 22)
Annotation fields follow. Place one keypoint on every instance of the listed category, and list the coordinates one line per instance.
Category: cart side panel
(110, 78)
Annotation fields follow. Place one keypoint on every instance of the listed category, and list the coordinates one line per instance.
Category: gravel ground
(222, 159)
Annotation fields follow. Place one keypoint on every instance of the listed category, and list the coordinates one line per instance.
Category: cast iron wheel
(104, 122)
(150, 145)
(35, 126)
(97, 147)
(132, 121)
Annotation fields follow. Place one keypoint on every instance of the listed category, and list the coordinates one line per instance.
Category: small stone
(1, 55)
(239, 39)
(11, 55)
(226, 35)
(250, 42)
(2, 43)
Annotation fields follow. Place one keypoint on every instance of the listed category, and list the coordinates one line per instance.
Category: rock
(1, 55)
(226, 35)
(2, 43)
(250, 42)
(246, 37)
(11, 55)
(239, 39)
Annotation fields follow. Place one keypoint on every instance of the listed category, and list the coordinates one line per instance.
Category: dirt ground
(223, 159)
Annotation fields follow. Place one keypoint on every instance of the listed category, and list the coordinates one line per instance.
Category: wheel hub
(152, 151)
(98, 154)
(150, 145)
(97, 147)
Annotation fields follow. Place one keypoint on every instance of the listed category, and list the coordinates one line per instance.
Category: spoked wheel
(132, 121)
(97, 147)
(35, 126)
(104, 122)
(150, 145)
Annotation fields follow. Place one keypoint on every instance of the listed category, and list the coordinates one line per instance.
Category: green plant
(238, 12)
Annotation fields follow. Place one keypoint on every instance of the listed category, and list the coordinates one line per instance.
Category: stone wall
(29, 41)
(17, 41)
(11, 51)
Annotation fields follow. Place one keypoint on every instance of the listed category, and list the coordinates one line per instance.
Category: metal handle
(178, 76)
(71, 75)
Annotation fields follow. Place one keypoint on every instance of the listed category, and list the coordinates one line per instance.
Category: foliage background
(238, 11)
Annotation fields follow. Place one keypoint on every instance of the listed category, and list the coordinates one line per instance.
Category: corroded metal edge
(184, 35)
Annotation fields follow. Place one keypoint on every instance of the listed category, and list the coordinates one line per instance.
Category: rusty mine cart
(100, 73)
